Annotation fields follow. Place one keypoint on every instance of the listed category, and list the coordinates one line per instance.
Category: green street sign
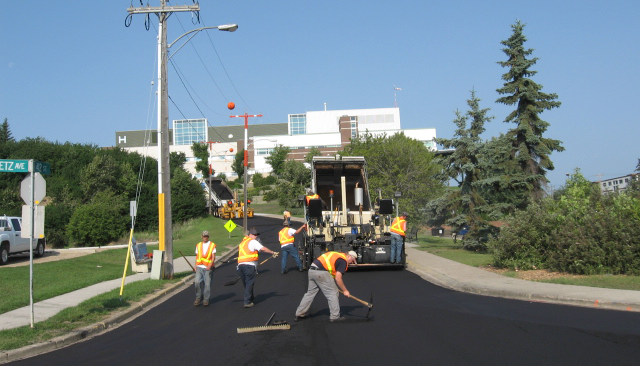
(42, 168)
(14, 166)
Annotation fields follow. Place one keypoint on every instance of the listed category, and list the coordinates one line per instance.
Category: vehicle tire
(39, 249)
(4, 254)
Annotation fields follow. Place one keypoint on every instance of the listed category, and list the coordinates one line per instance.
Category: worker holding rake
(248, 263)
(325, 274)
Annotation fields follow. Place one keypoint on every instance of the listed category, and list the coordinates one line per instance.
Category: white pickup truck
(11, 242)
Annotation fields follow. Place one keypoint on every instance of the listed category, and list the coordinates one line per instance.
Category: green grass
(446, 248)
(274, 208)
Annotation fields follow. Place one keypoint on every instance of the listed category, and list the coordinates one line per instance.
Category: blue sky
(72, 71)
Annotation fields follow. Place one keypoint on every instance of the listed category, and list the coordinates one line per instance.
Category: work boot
(249, 305)
(300, 317)
(340, 319)
(196, 303)
(205, 303)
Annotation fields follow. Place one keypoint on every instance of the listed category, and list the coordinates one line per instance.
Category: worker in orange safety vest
(325, 274)
(205, 260)
(398, 233)
(287, 247)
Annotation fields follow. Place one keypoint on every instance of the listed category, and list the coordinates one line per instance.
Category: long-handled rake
(231, 283)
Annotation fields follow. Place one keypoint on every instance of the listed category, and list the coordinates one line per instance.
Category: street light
(224, 27)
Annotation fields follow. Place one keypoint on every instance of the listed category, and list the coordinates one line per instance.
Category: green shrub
(99, 222)
(582, 232)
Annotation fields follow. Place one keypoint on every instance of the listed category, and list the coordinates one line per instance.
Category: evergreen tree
(238, 163)
(530, 151)
(464, 166)
(5, 133)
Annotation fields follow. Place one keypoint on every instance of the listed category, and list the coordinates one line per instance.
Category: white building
(618, 184)
(328, 131)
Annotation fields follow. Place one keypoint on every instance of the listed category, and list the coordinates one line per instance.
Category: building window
(354, 127)
(267, 151)
(298, 124)
(188, 131)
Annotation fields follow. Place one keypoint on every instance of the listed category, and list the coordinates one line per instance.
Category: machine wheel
(39, 248)
(4, 254)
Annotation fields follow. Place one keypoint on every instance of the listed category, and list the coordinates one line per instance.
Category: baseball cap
(253, 231)
(405, 214)
(353, 254)
(205, 233)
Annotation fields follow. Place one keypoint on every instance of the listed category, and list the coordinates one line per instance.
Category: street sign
(40, 188)
(40, 167)
(230, 225)
(14, 166)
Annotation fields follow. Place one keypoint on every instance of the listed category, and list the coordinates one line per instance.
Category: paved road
(415, 323)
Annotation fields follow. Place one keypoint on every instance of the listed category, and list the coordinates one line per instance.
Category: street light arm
(225, 27)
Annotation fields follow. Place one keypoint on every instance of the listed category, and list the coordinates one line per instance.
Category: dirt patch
(533, 275)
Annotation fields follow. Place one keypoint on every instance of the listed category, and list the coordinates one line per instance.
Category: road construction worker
(325, 274)
(248, 263)
(205, 260)
(398, 233)
(287, 247)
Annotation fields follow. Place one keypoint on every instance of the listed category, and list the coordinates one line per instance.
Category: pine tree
(530, 151)
(5, 133)
(464, 166)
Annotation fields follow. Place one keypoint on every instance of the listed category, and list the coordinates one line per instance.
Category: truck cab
(12, 242)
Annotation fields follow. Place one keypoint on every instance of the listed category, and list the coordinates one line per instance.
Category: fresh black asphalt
(415, 323)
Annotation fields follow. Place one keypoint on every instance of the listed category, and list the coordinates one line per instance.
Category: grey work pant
(203, 283)
(320, 280)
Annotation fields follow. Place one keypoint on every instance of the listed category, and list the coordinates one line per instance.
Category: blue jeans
(286, 251)
(203, 283)
(247, 273)
(396, 248)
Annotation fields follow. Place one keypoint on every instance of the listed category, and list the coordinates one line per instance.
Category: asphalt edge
(108, 324)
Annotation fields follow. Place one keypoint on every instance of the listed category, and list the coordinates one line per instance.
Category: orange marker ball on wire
(231, 105)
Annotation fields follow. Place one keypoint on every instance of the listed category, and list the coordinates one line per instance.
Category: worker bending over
(325, 274)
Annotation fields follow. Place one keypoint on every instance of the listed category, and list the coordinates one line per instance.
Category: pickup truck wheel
(39, 249)
(4, 254)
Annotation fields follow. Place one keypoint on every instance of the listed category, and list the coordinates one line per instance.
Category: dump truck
(345, 217)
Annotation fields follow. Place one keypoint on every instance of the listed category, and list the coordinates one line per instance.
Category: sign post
(33, 189)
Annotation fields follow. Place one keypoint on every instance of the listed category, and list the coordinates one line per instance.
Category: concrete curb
(110, 323)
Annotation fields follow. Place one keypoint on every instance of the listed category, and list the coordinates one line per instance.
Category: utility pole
(165, 229)
(246, 155)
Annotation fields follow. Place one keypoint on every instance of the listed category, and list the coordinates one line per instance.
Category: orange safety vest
(312, 197)
(244, 254)
(328, 261)
(398, 226)
(205, 258)
(285, 238)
